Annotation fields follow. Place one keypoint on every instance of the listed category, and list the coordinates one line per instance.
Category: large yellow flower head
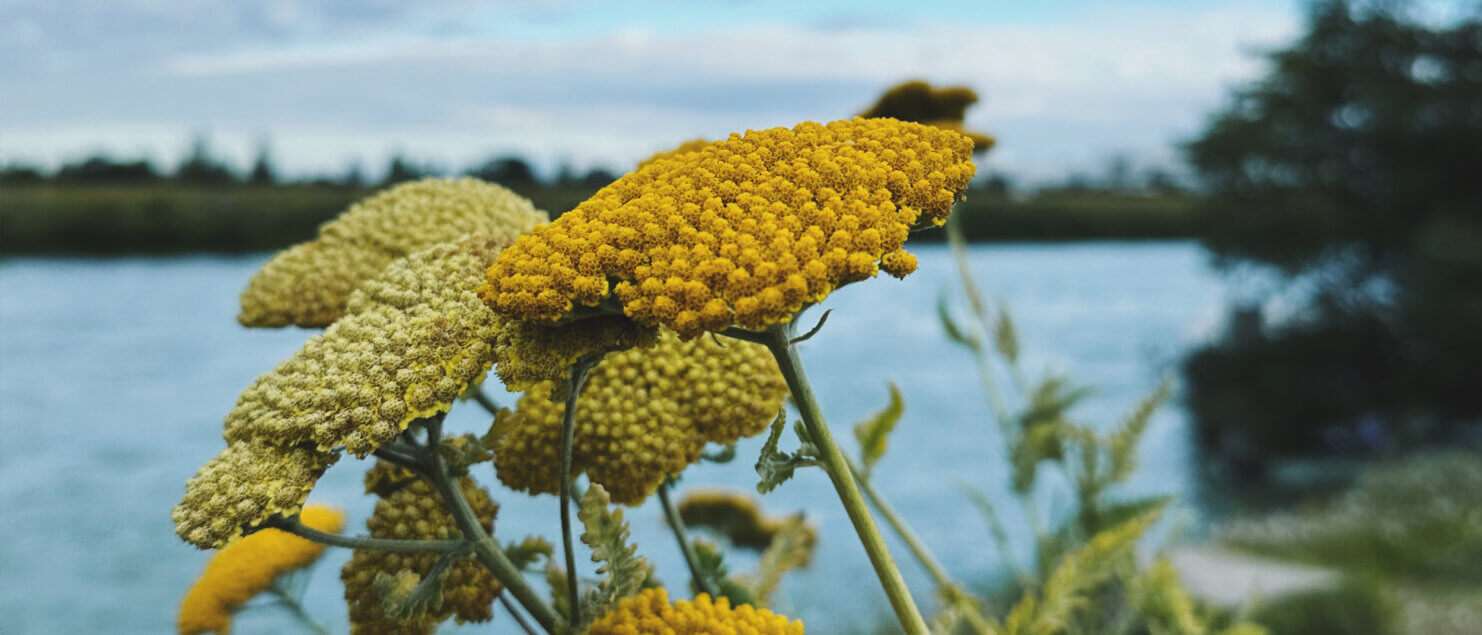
(309, 284)
(412, 510)
(644, 414)
(745, 231)
(247, 567)
(242, 487)
(412, 340)
(650, 612)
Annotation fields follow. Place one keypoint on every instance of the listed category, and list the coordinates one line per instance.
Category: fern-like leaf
(1122, 445)
(875, 431)
(607, 534)
(776, 467)
(1082, 570)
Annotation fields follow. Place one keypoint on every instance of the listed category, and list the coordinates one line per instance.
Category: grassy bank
(169, 218)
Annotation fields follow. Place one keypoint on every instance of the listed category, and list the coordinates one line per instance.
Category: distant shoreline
(163, 219)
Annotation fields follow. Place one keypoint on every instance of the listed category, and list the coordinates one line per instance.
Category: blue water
(115, 375)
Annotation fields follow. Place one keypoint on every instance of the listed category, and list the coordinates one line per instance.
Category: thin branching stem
(676, 523)
(779, 341)
(296, 608)
(478, 395)
(948, 588)
(568, 434)
(297, 528)
(488, 551)
(514, 612)
(981, 321)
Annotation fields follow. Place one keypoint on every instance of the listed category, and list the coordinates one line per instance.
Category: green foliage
(1005, 337)
(607, 534)
(775, 467)
(873, 432)
(710, 562)
(1355, 608)
(791, 548)
(725, 455)
(527, 552)
(1067, 589)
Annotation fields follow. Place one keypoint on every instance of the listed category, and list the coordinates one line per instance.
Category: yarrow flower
(651, 612)
(410, 509)
(939, 107)
(309, 284)
(683, 148)
(249, 566)
(248, 483)
(413, 338)
(744, 231)
(644, 414)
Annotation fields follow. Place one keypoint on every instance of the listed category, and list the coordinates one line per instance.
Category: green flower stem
(980, 314)
(778, 339)
(297, 528)
(945, 585)
(477, 394)
(296, 608)
(488, 551)
(568, 434)
(514, 613)
(677, 524)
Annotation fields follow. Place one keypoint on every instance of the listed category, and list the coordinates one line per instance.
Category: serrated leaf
(1122, 445)
(405, 597)
(528, 551)
(875, 431)
(1050, 401)
(1040, 442)
(954, 331)
(792, 547)
(775, 467)
(607, 534)
(710, 562)
(1084, 569)
(1120, 512)
(1005, 336)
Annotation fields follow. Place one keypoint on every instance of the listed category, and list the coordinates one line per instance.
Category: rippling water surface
(115, 375)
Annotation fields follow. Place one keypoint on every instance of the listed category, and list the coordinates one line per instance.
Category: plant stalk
(568, 436)
(948, 588)
(778, 339)
(677, 524)
(297, 528)
(488, 551)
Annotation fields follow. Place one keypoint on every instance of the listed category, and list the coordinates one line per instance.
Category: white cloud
(1059, 95)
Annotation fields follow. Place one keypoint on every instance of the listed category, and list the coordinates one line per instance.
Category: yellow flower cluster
(414, 511)
(412, 340)
(686, 147)
(745, 231)
(247, 567)
(650, 613)
(643, 414)
(243, 486)
(733, 514)
(940, 107)
(308, 284)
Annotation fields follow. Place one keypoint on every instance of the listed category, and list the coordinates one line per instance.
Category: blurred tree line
(1354, 170)
(201, 167)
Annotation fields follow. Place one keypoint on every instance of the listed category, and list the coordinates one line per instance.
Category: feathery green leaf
(873, 432)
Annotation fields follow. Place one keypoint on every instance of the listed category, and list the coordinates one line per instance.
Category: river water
(115, 376)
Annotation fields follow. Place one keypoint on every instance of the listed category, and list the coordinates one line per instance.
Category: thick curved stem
(677, 524)
(777, 339)
(568, 435)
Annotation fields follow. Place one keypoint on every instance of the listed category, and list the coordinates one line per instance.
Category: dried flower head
(246, 484)
(308, 284)
(247, 567)
(412, 340)
(748, 230)
(651, 612)
(644, 414)
(414, 511)
(940, 107)
(734, 515)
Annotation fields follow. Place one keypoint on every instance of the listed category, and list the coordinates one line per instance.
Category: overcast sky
(1065, 84)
